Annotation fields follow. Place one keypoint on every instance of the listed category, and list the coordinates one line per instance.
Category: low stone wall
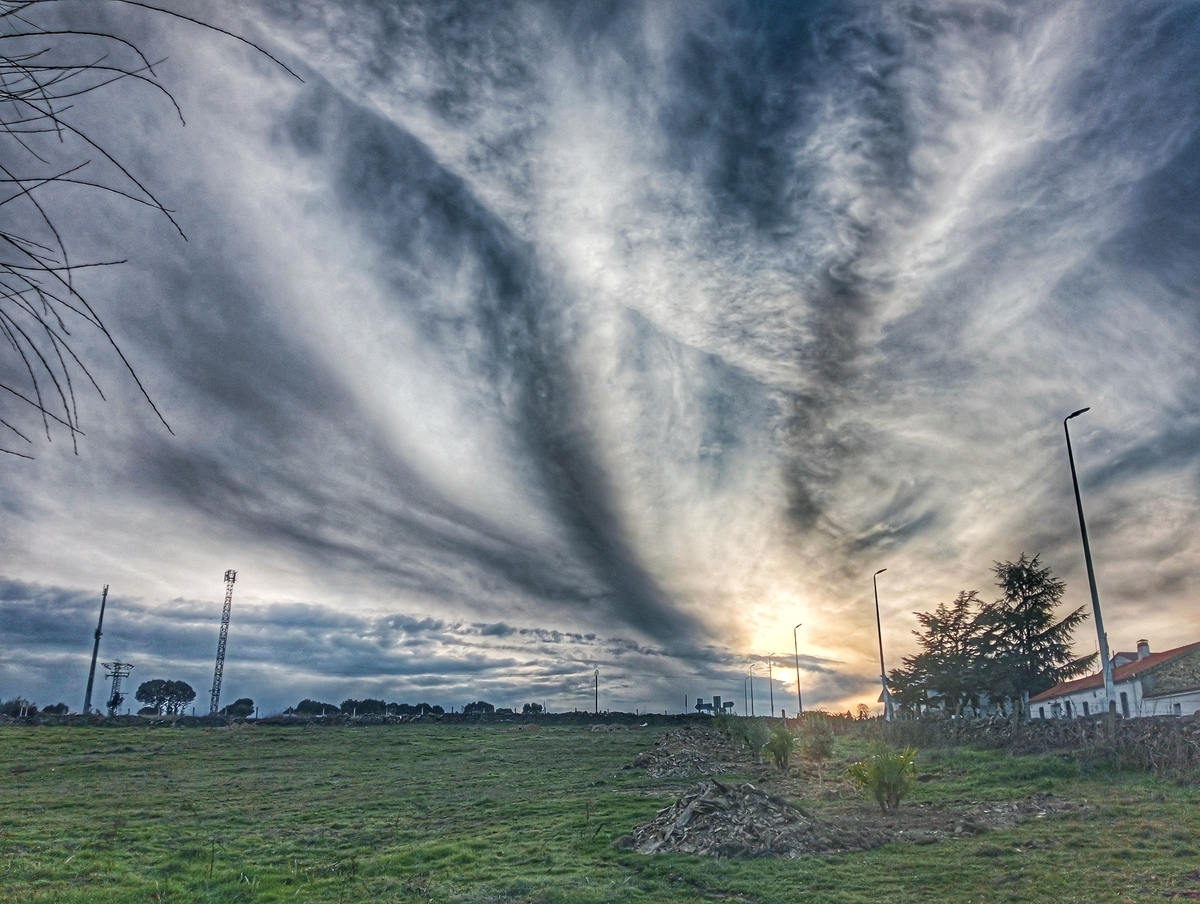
(1163, 744)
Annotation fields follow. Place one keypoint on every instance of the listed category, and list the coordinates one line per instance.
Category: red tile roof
(1120, 673)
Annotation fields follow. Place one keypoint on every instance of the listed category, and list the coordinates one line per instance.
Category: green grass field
(474, 814)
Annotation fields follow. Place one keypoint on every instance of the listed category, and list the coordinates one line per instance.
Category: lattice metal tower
(230, 577)
(116, 671)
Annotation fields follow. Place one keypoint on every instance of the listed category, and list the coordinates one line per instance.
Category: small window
(1178, 709)
(1086, 712)
(1125, 704)
(1068, 709)
(1041, 712)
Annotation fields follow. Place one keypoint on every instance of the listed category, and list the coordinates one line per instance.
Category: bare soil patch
(726, 820)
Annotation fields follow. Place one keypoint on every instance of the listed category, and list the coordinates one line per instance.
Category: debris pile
(690, 752)
(719, 820)
(714, 819)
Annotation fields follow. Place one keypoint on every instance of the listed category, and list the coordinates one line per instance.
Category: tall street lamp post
(771, 681)
(752, 689)
(888, 713)
(796, 644)
(745, 696)
(1106, 662)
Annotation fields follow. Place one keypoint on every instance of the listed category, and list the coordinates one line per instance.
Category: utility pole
(230, 577)
(1105, 660)
(87, 698)
(596, 678)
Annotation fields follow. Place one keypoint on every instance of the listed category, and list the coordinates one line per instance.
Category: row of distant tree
(161, 696)
(973, 653)
(367, 707)
(18, 707)
(373, 707)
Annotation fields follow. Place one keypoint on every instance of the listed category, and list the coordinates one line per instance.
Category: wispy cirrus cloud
(661, 323)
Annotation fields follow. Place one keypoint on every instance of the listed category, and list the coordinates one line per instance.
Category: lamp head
(1076, 413)
(880, 571)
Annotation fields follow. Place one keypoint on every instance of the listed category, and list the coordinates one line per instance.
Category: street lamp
(887, 695)
(1106, 662)
(745, 697)
(596, 678)
(771, 682)
(796, 644)
(752, 688)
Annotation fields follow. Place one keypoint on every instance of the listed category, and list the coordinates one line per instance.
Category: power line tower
(117, 671)
(230, 577)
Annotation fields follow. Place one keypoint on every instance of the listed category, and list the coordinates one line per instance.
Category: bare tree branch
(45, 71)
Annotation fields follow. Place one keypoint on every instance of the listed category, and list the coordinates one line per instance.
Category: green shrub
(816, 738)
(755, 733)
(780, 745)
(887, 775)
(816, 741)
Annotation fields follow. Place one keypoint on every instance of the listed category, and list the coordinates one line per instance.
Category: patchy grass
(473, 814)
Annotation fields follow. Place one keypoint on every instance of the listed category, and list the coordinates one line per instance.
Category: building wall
(1176, 676)
(1160, 704)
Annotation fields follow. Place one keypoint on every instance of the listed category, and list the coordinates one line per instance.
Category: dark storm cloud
(283, 652)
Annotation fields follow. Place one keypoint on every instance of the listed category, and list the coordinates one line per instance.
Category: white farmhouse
(1146, 684)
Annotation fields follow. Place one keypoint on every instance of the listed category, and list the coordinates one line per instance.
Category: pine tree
(1024, 650)
(947, 664)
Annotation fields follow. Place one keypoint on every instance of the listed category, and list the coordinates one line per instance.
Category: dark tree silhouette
(308, 707)
(365, 707)
(46, 72)
(240, 708)
(153, 694)
(165, 696)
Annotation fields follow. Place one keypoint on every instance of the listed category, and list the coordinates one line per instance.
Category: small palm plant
(781, 745)
(887, 774)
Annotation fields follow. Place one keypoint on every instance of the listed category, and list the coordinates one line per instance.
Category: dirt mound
(719, 820)
(689, 752)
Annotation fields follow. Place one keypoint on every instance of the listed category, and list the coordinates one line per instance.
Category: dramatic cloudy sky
(521, 340)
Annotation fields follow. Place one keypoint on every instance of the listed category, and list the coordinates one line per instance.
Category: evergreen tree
(1024, 649)
(178, 695)
(153, 693)
(165, 696)
(948, 662)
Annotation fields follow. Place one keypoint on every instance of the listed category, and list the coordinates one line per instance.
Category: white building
(1146, 684)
